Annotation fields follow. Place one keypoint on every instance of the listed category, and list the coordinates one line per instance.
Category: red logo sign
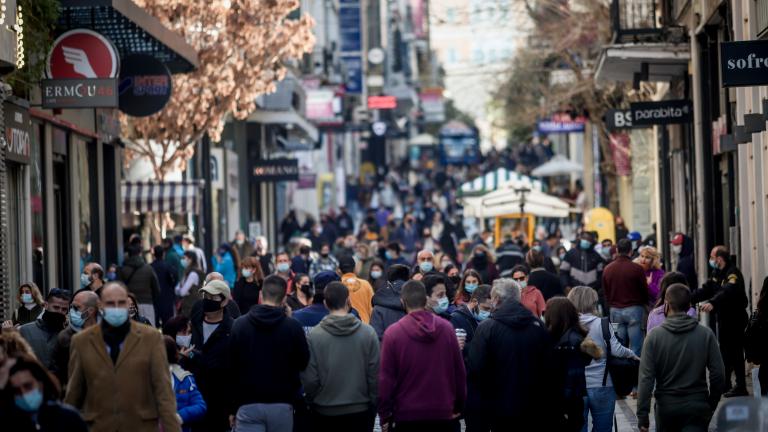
(382, 102)
(82, 53)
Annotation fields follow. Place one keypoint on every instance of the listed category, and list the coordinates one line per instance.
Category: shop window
(36, 206)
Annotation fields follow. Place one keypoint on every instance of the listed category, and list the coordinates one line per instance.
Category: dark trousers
(427, 426)
(679, 415)
(731, 338)
(357, 422)
(762, 376)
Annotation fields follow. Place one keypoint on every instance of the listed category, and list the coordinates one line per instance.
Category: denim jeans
(600, 402)
(629, 321)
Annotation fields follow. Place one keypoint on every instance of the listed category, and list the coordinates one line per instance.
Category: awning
(507, 201)
(174, 197)
(495, 180)
(289, 118)
(131, 29)
(666, 61)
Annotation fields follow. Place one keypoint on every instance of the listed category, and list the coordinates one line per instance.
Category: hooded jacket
(676, 358)
(360, 295)
(387, 308)
(462, 318)
(341, 377)
(510, 366)
(686, 263)
(268, 350)
(422, 375)
(140, 279)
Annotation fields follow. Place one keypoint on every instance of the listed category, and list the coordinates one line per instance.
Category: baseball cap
(677, 240)
(216, 287)
(324, 278)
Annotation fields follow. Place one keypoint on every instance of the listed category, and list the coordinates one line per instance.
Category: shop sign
(307, 181)
(382, 102)
(744, 63)
(616, 119)
(561, 123)
(82, 68)
(661, 112)
(17, 133)
(353, 79)
(349, 26)
(324, 106)
(432, 105)
(273, 170)
(145, 85)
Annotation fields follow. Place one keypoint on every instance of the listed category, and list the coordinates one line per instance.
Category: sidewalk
(627, 420)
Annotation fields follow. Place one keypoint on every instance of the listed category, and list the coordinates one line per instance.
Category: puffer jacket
(573, 352)
(190, 405)
(140, 279)
(387, 308)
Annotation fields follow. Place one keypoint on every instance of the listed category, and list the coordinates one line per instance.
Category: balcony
(761, 19)
(636, 21)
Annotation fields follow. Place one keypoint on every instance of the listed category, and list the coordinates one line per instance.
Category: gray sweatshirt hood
(338, 325)
(680, 323)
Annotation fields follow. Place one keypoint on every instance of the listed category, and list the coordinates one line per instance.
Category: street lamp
(523, 220)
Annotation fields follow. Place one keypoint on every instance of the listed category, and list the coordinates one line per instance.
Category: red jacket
(624, 284)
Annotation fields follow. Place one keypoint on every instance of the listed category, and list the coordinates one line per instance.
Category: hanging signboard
(661, 112)
(561, 123)
(145, 85)
(273, 170)
(616, 119)
(81, 68)
(353, 81)
(744, 63)
(17, 130)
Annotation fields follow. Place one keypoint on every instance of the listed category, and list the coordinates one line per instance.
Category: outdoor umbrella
(558, 165)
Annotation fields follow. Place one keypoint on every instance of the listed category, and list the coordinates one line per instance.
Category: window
(450, 15)
(477, 56)
(452, 56)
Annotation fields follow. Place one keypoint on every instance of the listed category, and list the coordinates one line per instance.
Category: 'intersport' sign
(661, 112)
(744, 63)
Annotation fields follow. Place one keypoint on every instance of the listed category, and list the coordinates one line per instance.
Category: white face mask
(677, 249)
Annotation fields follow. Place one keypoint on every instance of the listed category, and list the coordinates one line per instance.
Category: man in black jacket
(728, 300)
(582, 266)
(141, 281)
(548, 283)
(508, 255)
(268, 351)
(167, 279)
(387, 308)
(469, 315)
(509, 367)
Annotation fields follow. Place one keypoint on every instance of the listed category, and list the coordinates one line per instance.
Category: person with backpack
(600, 400)
(387, 308)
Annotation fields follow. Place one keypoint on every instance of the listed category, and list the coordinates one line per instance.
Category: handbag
(624, 371)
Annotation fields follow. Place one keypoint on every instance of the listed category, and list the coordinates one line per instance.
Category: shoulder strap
(605, 325)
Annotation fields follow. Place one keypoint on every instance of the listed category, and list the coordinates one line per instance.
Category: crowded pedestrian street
(383, 215)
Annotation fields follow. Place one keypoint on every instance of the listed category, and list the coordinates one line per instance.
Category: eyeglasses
(519, 279)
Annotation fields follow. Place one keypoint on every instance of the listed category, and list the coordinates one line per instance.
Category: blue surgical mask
(426, 266)
(283, 267)
(375, 274)
(470, 287)
(29, 401)
(247, 273)
(522, 284)
(713, 263)
(482, 315)
(115, 316)
(76, 319)
(442, 305)
(584, 244)
(562, 256)
(184, 263)
(388, 255)
(85, 280)
(537, 248)
(26, 298)
(111, 276)
(183, 340)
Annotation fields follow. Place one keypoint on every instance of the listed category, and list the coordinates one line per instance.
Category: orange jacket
(360, 295)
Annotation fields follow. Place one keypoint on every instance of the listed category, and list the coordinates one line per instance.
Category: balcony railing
(761, 10)
(636, 20)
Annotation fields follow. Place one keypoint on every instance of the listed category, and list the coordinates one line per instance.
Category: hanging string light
(19, 28)
(2, 12)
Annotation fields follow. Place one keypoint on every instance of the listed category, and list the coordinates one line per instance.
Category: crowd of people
(392, 317)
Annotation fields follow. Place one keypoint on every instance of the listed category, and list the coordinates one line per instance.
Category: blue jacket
(227, 268)
(189, 402)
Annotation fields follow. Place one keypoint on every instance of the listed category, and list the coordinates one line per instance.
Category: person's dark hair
(26, 362)
(133, 250)
(669, 279)
(309, 290)
(534, 258)
(624, 246)
(280, 253)
(433, 280)
(346, 264)
(395, 246)
(520, 268)
(561, 315)
(274, 289)
(723, 252)
(448, 268)
(325, 244)
(678, 297)
(398, 272)
(173, 326)
(193, 264)
(171, 350)
(59, 294)
(178, 238)
(481, 294)
(135, 301)
(158, 252)
(97, 272)
(414, 295)
(336, 295)
(304, 250)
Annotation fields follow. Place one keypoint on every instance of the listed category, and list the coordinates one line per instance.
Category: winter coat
(581, 268)
(300, 265)
(140, 279)
(52, 416)
(60, 355)
(654, 286)
(268, 351)
(548, 283)
(246, 294)
(24, 315)
(310, 316)
(360, 295)
(226, 266)
(462, 318)
(173, 261)
(190, 405)
(686, 263)
(41, 339)
(342, 375)
(573, 352)
(510, 366)
(532, 299)
(167, 278)
(676, 359)
(422, 375)
(725, 291)
(508, 255)
(387, 308)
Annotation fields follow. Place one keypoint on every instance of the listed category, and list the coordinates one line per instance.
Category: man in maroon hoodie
(422, 381)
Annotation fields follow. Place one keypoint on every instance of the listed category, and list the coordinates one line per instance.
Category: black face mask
(211, 305)
(53, 320)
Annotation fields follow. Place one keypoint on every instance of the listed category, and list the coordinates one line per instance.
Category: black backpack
(624, 371)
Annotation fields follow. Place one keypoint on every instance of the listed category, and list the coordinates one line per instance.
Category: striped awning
(149, 196)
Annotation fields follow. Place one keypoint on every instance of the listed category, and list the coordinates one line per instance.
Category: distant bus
(458, 144)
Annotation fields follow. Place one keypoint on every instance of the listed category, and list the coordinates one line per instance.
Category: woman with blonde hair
(30, 304)
(650, 260)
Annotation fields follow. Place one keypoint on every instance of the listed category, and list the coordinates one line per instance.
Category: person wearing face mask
(248, 285)
(167, 278)
(227, 262)
(727, 298)
(31, 304)
(41, 334)
(582, 266)
(190, 405)
(360, 291)
(387, 308)
(83, 313)
(510, 388)
(92, 277)
(484, 263)
(180, 329)
(659, 313)
(141, 281)
(283, 269)
(121, 360)
(530, 296)
(469, 315)
(187, 289)
(392, 254)
(35, 402)
(325, 263)
(210, 362)
(682, 248)
(242, 245)
(437, 299)
(302, 295)
(467, 286)
(376, 275)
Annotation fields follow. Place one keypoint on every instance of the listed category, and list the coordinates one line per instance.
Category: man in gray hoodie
(341, 379)
(676, 359)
